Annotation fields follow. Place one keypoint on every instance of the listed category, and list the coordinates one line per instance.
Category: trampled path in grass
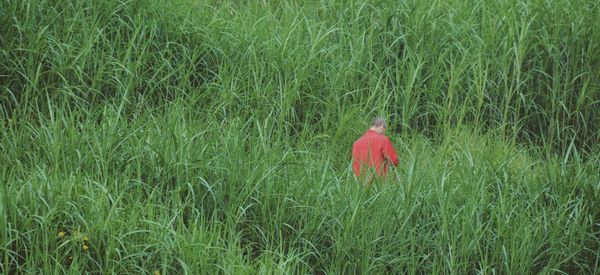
(209, 137)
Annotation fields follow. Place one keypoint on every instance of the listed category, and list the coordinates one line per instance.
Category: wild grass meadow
(214, 137)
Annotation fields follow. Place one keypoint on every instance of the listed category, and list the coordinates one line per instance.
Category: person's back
(373, 151)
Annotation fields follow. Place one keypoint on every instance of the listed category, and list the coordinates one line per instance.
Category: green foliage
(210, 137)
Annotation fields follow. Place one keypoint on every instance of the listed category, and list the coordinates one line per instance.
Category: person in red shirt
(373, 152)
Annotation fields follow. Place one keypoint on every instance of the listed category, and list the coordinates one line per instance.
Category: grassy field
(214, 137)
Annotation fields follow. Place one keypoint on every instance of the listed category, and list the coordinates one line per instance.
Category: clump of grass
(213, 137)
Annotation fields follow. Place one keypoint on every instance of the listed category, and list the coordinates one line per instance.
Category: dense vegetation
(214, 136)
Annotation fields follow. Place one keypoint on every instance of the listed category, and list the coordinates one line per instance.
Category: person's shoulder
(385, 138)
(358, 140)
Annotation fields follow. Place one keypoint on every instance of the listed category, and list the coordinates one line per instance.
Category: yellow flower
(157, 272)
(61, 234)
(85, 247)
(85, 239)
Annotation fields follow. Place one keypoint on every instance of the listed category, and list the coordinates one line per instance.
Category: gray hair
(379, 121)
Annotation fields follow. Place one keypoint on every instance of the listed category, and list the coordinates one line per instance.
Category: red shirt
(373, 150)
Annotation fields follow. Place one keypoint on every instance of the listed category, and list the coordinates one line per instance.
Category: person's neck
(374, 130)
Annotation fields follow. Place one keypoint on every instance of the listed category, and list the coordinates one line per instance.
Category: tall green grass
(211, 137)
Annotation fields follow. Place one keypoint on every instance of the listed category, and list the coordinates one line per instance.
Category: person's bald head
(379, 125)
